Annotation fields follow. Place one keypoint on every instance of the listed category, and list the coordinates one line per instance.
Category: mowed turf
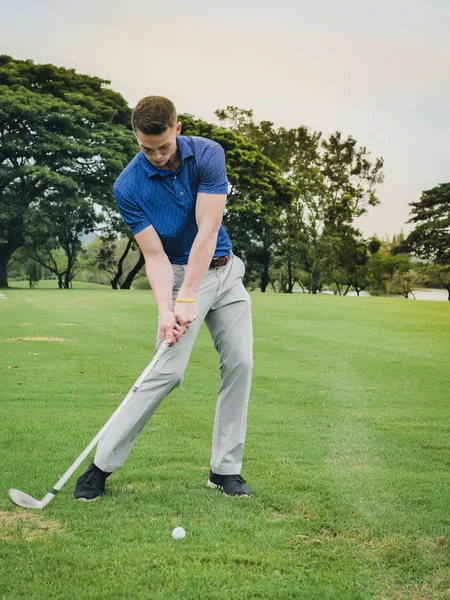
(347, 455)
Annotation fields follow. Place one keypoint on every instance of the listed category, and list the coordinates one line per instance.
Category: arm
(160, 276)
(209, 213)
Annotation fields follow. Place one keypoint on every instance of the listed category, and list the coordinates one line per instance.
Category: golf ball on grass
(178, 533)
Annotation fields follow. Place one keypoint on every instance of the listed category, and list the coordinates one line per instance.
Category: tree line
(293, 198)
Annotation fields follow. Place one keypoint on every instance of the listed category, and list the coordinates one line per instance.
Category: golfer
(172, 196)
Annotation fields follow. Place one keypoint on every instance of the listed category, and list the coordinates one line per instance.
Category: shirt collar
(185, 152)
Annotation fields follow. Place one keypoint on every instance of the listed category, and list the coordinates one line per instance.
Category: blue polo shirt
(166, 199)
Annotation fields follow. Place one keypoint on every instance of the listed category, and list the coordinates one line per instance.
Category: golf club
(26, 501)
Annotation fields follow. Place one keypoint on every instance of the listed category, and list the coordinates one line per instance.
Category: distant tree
(275, 143)
(53, 261)
(64, 136)
(430, 238)
(278, 145)
(58, 223)
(23, 267)
(350, 178)
(350, 265)
(100, 260)
(112, 261)
(392, 269)
(434, 275)
(405, 283)
(381, 269)
(303, 244)
(33, 274)
(334, 181)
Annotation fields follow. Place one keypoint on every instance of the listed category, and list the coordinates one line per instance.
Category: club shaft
(158, 354)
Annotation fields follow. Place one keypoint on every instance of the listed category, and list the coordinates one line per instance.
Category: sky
(378, 71)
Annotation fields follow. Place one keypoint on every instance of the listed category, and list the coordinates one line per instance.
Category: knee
(246, 364)
(175, 377)
(239, 362)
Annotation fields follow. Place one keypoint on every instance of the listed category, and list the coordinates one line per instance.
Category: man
(172, 195)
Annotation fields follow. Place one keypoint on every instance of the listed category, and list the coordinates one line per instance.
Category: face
(159, 149)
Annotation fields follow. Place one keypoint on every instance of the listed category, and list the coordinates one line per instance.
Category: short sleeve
(213, 176)
(130, 211)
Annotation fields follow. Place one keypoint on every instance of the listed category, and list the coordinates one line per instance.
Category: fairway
(347, 453)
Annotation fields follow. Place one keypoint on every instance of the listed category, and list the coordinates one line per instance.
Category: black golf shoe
(91, 484)
(230, 485)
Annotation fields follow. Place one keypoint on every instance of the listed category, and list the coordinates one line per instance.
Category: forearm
(200, 257)
(160, 276)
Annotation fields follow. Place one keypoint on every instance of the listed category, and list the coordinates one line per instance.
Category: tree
(58, 223)
(404, 283)
(382, 266)
(63, 135)
(285, 240)
(435, 275)
(112, 261)
(352, 254)
(430, 238)
(348, 185)
(257, 195)
(334, 182)
(392, 271)
(99, 261)
(23, 267)
(350, 179)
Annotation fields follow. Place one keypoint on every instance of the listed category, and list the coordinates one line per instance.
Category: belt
(220, 262)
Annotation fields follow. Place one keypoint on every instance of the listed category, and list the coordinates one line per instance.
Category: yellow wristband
(186, 300)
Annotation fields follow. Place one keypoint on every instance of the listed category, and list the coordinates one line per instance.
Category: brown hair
(153, 115)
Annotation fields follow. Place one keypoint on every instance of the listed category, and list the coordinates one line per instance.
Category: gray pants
(224, 304)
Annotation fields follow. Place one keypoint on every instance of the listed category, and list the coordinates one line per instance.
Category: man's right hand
(169, 329)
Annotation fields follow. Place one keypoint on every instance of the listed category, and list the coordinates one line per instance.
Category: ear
(178, 128)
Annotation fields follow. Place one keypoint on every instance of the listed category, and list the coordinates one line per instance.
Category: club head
(24, 500)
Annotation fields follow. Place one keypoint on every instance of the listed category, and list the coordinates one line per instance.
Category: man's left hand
(185, 313)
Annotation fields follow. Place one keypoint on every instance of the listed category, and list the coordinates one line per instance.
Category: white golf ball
(178, 533)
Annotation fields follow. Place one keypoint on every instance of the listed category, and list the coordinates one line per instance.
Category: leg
(230, 325)
(115, 447)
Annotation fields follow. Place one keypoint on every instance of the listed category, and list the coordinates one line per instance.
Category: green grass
(347, 453)
(52, 284)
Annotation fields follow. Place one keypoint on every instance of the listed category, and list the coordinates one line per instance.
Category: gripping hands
(174, 323)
